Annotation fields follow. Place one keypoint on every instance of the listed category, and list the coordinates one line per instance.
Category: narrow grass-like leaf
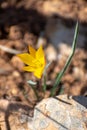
(32, 83)
(44, 76)
(60, 75)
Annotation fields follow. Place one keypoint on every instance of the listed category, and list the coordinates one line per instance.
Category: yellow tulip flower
(35, 61)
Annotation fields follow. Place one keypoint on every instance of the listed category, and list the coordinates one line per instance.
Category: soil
(21, 23)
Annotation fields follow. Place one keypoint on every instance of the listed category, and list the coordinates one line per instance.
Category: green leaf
(44, 76)
(32, 83)
(60, 75)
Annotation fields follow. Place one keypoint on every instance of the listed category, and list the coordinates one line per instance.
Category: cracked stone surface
(60, 113)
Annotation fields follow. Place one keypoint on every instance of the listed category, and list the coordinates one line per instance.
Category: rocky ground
(32, 22)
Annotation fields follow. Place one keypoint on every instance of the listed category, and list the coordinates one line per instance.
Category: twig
(9, 50)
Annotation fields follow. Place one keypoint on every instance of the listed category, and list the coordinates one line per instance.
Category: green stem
(44, 76)
(36, 94)
(45, 86)
(59, 76)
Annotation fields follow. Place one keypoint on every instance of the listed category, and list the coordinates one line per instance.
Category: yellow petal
(26, 58)
(42, 60)
(35, 60)
(38, 73)
(32, 51)
(39, 53)
(29, 68)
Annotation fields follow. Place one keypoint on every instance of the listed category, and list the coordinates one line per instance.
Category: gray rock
(60, 113)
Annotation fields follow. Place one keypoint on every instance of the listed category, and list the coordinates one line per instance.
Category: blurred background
(52, 24)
